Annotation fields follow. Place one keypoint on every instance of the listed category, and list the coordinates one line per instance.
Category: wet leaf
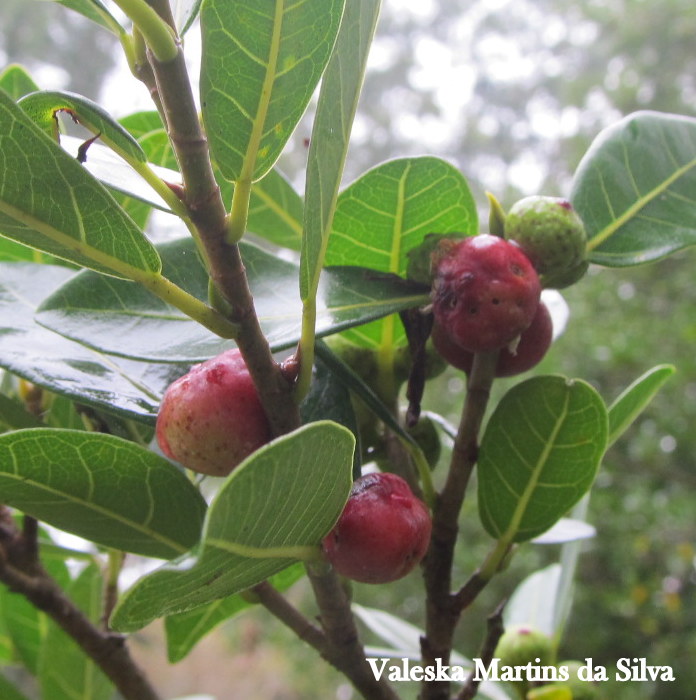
(261, 64)
(49, 202)
(125, 319)
(634, 189)
(271, 511)
(539, 455)
(125, 387)
(76, 481)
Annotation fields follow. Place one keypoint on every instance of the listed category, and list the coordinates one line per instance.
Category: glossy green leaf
(48, 201)
(185, 630)
(125, 387)
(386, 213)
(271, 511)
(65, 671)
(261, 64)
(634, 189)
(16, 81)
(43, 106)
(94, 10)
(635, 398)
(338, 101)
(124, 319)
(539, 454)
(76, 481)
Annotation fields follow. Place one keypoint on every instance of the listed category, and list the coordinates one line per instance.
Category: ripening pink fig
(212, 418)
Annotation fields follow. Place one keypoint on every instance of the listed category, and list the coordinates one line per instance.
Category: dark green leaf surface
(126, 387)
(338, 101)
(635, 399)
(65, 671)
(634, 189)
(76, 481)
(48, 201)
(386, 213)
(539, 454)
(124, 319)
(185, 630)
(271, 511)
(16, 81)
(261, 64)
(42, 108)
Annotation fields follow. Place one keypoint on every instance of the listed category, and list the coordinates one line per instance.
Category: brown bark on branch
(22, 573)
(443, 608)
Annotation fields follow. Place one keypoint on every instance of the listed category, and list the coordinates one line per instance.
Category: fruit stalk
(442, 606)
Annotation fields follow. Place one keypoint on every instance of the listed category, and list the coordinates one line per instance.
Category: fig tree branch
(21, 571)
(443, 608)
(207, 212)
(494, 632)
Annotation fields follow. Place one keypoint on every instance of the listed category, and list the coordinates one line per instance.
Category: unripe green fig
(581, 690)
(553, 237)
(523, 644)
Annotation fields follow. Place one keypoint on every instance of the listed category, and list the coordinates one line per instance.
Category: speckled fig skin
(513, 359)
(383, 532)
(553, 237)
(212, 418)
(485, 291)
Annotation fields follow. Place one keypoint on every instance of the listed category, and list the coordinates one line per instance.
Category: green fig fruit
(553, 237)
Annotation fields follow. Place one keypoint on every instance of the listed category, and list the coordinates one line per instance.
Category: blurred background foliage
(512, 93)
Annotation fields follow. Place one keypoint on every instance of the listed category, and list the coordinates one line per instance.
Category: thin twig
(23, 573)
(343, 649)
(494, 633)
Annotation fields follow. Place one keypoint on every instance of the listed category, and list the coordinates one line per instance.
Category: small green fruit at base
(581, 690)
(382, 533)
(553, 237)
(212, 418)
(522, 644)
(485, 291)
